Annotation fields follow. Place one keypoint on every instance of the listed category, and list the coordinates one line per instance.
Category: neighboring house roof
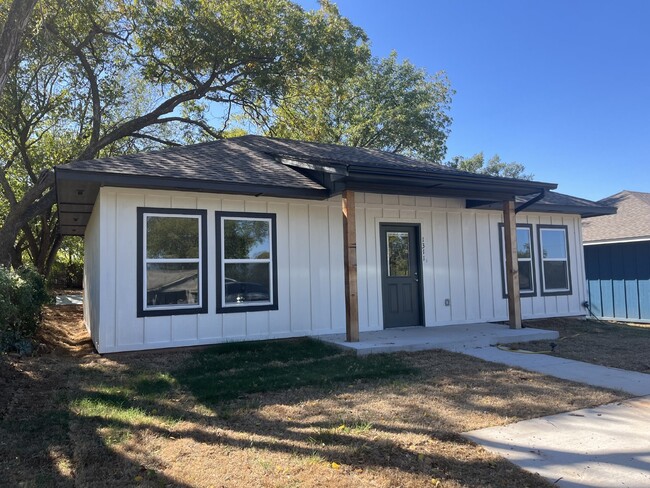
(256, 165)
(630, 223)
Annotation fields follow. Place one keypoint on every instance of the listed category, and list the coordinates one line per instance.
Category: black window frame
(202, 307)
(565, 228)
(502, 252)
(273, 305)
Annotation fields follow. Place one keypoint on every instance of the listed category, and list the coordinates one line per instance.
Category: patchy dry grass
(613, 344)
(290, 413)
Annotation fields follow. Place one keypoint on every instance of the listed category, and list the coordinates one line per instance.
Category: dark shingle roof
(554, 202)
(316, 152)
(256, 165)
(632, 220)
(225, 160)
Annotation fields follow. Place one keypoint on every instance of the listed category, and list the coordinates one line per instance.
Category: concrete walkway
(637, 384)
(451, 337)
(606, 446)
(69, 299)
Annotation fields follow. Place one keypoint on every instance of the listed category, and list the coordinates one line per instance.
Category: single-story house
(252, 238)
(617, 258)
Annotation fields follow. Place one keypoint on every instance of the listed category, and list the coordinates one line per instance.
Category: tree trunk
(36, 201)
(12, 34)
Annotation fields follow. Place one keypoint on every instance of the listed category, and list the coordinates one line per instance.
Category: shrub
(22, 296)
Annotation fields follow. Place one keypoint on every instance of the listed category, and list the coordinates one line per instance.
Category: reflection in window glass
(172, 237)
(555, 262)
(247, 282)
(172, 283)
(553, 244)
(523, 243)
(398, 253)
(247, 261)
(524, 260)
(246, 239)
(172, 261)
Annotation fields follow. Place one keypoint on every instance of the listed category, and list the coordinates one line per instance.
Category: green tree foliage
(97, 78)
(385, 105)
(494, 167)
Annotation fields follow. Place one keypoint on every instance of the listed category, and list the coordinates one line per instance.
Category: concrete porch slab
(458, 338)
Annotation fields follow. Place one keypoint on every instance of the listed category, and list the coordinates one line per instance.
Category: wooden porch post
(512, 264)
(350, 265)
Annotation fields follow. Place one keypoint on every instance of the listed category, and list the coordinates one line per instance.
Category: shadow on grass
(111, 408)
(230, 371)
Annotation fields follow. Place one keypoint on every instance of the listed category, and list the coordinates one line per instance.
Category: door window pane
(172, 237)
(246, 239)
(398, 253)
(172, 283)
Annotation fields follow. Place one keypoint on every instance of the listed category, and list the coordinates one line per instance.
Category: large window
(172, 263)
(246, 262)
(554, 259)
(524, 258)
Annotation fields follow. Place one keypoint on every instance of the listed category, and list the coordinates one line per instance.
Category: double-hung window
(172, 261)
(246, 262)
(554, 259)
(524, 259)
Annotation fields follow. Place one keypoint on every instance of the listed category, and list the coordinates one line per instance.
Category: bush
(22, 296)
(66, 275)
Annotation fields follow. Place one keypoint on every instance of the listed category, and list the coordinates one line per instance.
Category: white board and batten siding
(460, 256)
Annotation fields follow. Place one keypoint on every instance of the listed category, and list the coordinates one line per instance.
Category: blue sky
(562, 86)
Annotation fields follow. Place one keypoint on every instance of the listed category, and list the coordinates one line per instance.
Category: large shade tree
(97, 78)
(386, 104)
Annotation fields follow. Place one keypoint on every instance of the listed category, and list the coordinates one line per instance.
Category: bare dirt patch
(612, 344)
(133, 419)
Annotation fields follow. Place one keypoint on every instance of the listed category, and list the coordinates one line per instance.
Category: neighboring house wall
(618, 277)
(460, 255)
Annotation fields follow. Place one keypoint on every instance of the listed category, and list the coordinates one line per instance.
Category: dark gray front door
(400, 275)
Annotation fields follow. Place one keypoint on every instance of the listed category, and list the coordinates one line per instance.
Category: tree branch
(185, 120)
(137, 135)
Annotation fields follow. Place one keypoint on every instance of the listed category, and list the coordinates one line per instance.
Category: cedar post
(350, 266)
(512, 264)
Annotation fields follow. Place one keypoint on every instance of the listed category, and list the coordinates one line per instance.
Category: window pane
(525, 276)
(246, 239)
(247, 282)
(554, 244)
(172, 237)
(398, 253)
(172, 283)
(555, 275)
(523, 243)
